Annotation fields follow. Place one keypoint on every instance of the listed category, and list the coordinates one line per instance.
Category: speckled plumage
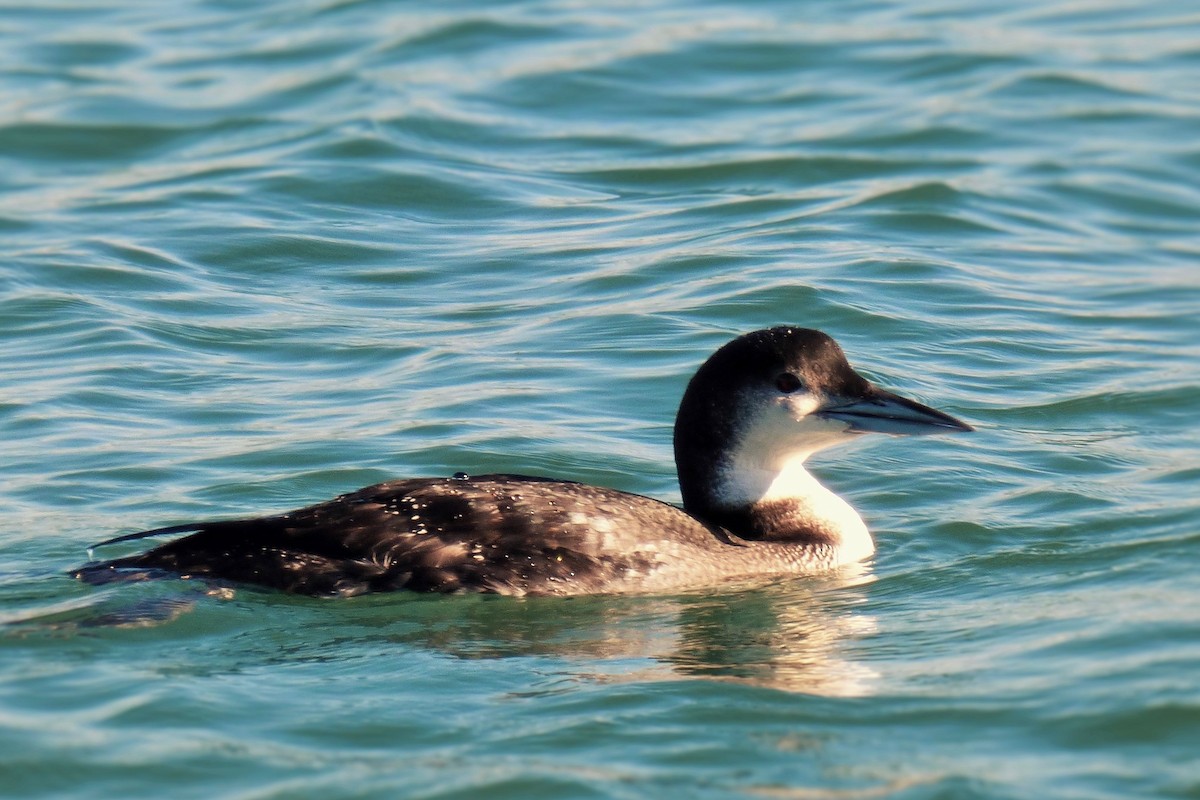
(750, 416)
(508, 534)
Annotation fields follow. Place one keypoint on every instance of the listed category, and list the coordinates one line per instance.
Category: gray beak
(884, 412)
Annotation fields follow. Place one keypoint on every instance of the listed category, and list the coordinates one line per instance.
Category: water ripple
(258, 256)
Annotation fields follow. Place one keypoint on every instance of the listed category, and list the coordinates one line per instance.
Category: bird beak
(882, 411)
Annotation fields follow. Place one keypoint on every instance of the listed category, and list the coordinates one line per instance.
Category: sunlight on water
(259, 256)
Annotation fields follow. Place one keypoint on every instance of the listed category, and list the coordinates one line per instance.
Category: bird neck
(783, 503)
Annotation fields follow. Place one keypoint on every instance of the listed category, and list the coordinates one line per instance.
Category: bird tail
(127, 568)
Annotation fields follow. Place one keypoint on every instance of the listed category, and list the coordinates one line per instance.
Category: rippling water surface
(258, 254)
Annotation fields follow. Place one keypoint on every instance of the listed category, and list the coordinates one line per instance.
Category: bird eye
(787, 382)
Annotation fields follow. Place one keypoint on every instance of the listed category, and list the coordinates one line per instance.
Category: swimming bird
(749, 419)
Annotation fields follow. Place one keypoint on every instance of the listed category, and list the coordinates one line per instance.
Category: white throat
(768, 466)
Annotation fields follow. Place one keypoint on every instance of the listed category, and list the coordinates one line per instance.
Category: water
(256, 255)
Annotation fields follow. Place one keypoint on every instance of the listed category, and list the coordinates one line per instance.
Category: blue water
(255, 255)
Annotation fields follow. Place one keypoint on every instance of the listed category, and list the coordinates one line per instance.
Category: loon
(749, 419)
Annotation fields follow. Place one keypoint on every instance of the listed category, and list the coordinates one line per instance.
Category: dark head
(773, 397)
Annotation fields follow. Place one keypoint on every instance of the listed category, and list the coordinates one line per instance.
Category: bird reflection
(796, 636)
(789, 638)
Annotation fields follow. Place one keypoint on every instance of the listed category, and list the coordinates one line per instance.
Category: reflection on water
(792, 638)
(796, 635)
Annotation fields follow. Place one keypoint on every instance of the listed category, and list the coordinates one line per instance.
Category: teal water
(255, 255)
